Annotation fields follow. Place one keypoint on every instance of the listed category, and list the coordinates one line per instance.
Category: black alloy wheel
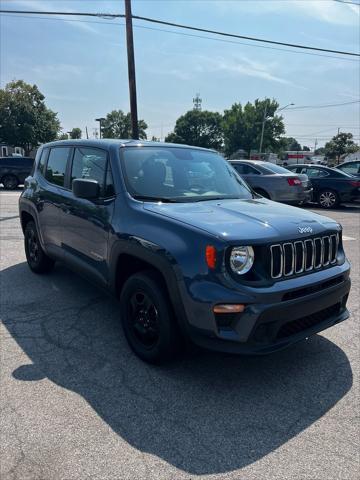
(36, 258)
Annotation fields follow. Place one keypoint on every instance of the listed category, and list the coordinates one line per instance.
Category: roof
(248, 161)
(108, 142)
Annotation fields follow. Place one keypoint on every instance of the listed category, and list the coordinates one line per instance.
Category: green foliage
(63, 136)
(242, 127)
(306, 149)
(290, 144)
(340, 144)
(198, 128)
(25, 121)
(75, 133)
(320, 151)
(117, 124)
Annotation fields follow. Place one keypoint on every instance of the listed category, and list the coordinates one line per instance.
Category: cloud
(45, 6)
(322, 10)
(241, 65)
(59, 71)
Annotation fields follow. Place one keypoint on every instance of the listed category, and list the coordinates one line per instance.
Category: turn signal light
(210, 254)
(229, 308)
(294, 181)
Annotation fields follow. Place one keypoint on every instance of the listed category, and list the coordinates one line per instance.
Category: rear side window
(92, 164)
(56, 165)
(42, 161)
(351, 168)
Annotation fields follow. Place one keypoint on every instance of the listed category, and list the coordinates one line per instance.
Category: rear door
(48, 198)
(249, 173)
(86, 223)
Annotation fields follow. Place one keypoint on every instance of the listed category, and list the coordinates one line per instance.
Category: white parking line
(344, 237)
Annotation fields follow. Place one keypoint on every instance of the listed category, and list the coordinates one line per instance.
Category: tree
(340, 144)
(243, 124)
(320, 151)
(25, 121)
(306, 149)
(198, 128)
(290, 144)
(63, 136)
(117, 124)
(75, 133)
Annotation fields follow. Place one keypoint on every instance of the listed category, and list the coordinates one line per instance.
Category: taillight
(355, 183)
(294, 181)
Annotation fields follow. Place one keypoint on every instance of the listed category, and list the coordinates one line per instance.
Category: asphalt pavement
(77, 404)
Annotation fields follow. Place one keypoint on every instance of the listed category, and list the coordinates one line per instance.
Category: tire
(36, 258)
(261, 192)
(147, 318)
(10, 182)
(328, 199)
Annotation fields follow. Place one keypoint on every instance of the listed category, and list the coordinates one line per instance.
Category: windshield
(275, 168)
(180, 174)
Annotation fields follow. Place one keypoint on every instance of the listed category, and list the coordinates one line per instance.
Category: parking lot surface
(77, 404)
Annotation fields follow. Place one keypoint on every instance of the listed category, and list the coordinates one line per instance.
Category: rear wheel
(36, 258)
(10, 182)
(328, 199)
(147, 318)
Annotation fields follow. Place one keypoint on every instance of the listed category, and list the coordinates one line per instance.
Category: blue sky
(81, 68)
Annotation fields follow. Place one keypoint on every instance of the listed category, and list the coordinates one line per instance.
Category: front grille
(292, 258)
(297, 326)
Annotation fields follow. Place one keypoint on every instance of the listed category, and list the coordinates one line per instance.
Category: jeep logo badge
(305, 229)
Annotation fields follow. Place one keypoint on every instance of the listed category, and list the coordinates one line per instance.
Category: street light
(100, 120)
(264, 120)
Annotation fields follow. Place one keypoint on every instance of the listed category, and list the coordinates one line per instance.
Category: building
(9, 151)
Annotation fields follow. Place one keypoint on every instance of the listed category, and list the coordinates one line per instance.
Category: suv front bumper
(275, 319)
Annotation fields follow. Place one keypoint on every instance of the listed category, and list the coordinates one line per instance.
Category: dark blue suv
(191, 251)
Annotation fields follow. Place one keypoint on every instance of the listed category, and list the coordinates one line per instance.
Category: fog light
(229, 308)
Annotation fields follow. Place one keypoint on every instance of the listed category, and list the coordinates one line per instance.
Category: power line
(254, 39)
(303, 107)
(347, 2)
(233, 42)
(187, 27)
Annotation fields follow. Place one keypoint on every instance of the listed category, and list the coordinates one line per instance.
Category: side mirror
(84, 188)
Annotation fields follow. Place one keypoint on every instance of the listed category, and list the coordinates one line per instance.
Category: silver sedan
(274, 182)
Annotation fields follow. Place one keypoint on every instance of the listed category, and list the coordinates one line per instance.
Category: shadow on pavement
(205, 414)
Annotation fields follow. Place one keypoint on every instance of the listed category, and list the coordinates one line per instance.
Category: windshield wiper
(147, 198)
(209, 198)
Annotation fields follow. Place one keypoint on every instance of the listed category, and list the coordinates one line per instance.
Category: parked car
(351, 168)
(331, 186)
(274, 182)
(14, 170)
(209, 261)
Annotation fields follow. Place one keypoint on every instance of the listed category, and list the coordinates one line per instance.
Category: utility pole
(87, 133)
(316, 142)
(262, 129)
(131, 70)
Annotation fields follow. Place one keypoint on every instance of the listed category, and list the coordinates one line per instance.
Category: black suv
(189, 249)
(14, 170)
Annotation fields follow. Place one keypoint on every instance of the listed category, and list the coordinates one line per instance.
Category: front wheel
(328, 199)
(36, 258)
(147, 318)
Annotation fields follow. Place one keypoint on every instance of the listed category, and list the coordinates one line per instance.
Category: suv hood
(254, 219)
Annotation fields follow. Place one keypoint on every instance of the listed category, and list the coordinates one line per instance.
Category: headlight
(241, 259)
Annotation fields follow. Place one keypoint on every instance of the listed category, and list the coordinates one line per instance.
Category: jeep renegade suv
(185, 244)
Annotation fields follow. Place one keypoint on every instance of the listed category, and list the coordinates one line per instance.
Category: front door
(86, 223)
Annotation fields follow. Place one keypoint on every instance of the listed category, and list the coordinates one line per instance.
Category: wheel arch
(127, 261)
